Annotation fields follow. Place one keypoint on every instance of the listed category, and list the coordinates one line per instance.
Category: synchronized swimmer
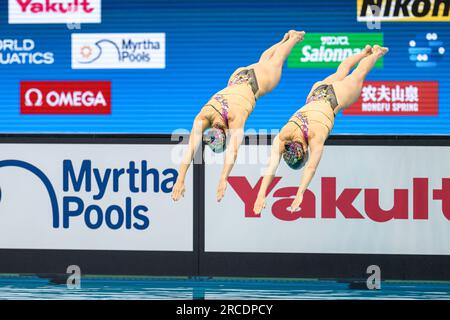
(311, 125)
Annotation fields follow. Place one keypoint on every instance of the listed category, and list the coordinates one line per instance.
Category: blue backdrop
(205, 42)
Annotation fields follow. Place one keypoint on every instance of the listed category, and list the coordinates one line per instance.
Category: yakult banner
(92, 197)
(54, 11)
(363, 200)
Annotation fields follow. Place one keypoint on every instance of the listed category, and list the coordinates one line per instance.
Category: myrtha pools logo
(118, 51)
(85, 188)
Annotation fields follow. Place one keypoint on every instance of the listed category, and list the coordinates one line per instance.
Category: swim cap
(215, 138)
(294, 155)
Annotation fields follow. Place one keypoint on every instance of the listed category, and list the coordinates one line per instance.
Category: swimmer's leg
(348, 90)
(269, 52)
(282, 52)
(347, 65)
(269, 71)
(344, 68)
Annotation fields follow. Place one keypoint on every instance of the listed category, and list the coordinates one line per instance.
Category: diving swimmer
(301, 140)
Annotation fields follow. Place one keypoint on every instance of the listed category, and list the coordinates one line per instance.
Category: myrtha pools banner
(92, 197)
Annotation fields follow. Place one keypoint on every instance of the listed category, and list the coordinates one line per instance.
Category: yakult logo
(54, 11)
(65, 97)
(333, 200)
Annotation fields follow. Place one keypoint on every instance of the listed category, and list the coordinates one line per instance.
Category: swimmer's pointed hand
(296, 203)
(221, 189)
(260, 204)
(178, 191)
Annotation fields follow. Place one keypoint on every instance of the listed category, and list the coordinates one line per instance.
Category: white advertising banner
(92, 197)
(54, 11)
(363, 200)
(118, 50)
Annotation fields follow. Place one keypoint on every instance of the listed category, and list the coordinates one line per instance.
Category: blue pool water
(31, 287)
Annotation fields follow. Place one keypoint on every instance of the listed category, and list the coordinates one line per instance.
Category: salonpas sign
(320, 50)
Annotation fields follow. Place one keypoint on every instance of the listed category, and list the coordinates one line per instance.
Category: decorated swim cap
(216, 138)
(294, 155)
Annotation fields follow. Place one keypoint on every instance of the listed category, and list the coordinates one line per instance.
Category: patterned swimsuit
(304, 126)
(326, 93)
(247, 76)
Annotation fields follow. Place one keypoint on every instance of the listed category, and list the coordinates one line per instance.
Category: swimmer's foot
(380, 51)
(298, 36)
(367, 50)
(301, 34)
(291, 32)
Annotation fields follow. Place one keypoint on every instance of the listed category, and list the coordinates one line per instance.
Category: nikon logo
(403, 10)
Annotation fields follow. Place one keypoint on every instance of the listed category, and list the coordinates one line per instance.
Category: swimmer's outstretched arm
(195, 140)
(236, 135)
(316, 150)
(274, 162)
